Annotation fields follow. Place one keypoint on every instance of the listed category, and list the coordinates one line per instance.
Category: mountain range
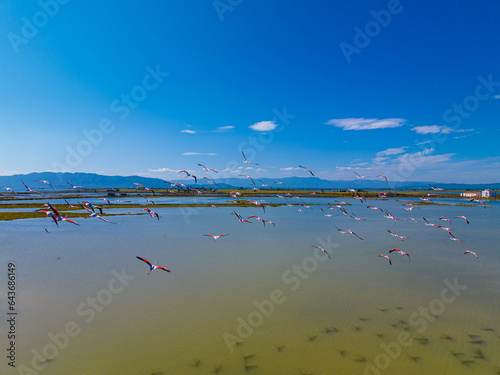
(97, 181)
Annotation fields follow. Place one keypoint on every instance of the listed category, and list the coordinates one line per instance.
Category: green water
(337, 320)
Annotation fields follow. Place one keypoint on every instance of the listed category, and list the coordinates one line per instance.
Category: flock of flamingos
(95, 211)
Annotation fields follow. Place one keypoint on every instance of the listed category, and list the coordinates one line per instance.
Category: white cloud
(198, 153)
(438, 129)
(366, 124)
(10, 173)
(392, 151)
(222, 129)
(163, 170)
(424, 142)
(497, 96)
(424, 158)
(264, 126)
(290, 169)
(432, 129)
(188, 131)
(344, 168)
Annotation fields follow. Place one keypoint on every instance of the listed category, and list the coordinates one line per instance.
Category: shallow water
(336, 317)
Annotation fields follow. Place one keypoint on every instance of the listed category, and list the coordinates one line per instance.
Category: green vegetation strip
(77, 211)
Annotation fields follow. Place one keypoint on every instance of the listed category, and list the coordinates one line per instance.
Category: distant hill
(96, 181)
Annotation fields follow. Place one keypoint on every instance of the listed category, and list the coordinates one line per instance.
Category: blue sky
(407, 89)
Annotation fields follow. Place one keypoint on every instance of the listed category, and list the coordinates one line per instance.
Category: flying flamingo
(359, 176)
(279, 183)
(327, 215)
(104, 199)
(57, 216)
(9, 189)
(70, 205)
(397, 235)
(453, 238)
(151, 213)
(361, 199)
(250, 178)
(240, 219)
(323, 250)
(463, 217)
(381, 175)
(246, 160)
(216, 237)
(145, 188)
(415, 221)
(210, 181)
(445, 218)
(257, 204)
(409, 207)
(265, 185)
(374, 208)
(92, 206)
(471, 252)
(146, 198)
(207, 169)
(152, 267)
(94, 214)
(307, 169)
(268, 221)
(400, 252)
(429, 224)
(28, 189)
(448, 229)
(348, 231)
(258, 219)
(51, 214)
(388, 215)
(47, 182)
(74, 186)
(386, 257)
(357, 218)
(344, 211)
(478, 201)
(436, 188)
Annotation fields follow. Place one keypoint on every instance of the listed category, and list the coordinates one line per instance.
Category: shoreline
(76, 212)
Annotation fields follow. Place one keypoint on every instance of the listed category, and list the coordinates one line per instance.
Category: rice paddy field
(262, 300)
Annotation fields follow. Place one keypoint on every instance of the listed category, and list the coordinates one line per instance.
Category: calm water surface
(335, 317)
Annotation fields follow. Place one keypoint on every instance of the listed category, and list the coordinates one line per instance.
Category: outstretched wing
(163, 268)
(144, 260)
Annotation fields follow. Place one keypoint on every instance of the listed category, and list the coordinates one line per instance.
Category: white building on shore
(471, 194)
(488, 193)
